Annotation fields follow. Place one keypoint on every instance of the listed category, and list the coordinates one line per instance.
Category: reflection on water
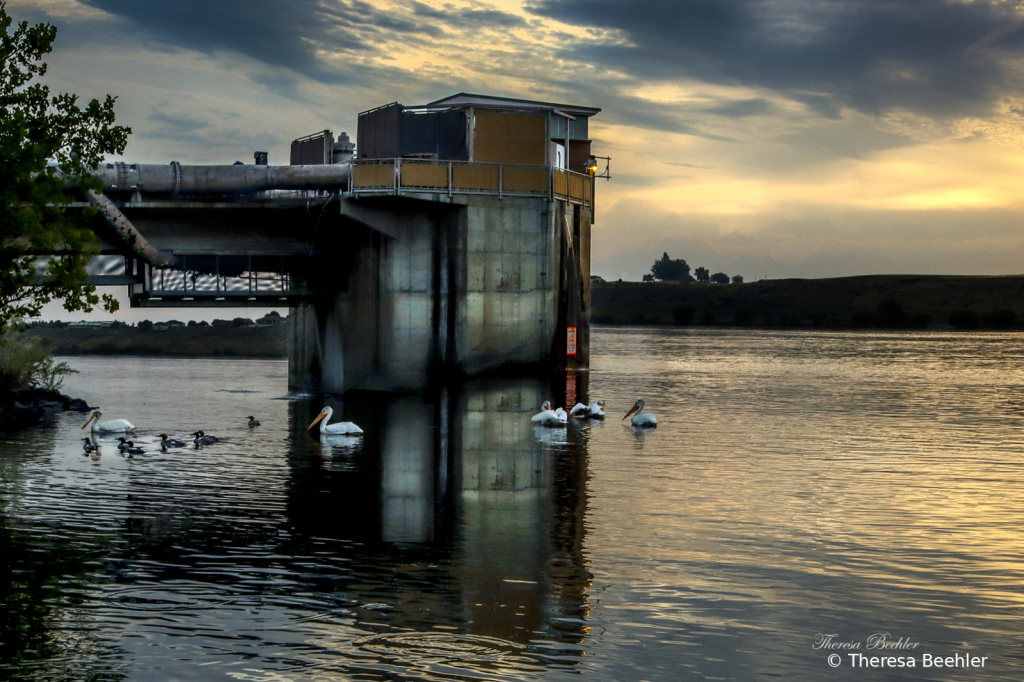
(797, 483)
(435, 544)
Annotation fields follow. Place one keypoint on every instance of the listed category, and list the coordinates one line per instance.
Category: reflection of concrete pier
(463, 481)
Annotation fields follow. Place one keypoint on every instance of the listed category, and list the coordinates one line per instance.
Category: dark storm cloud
(932, 56)
(291, 34)
(741, 108)
(285, 35)
(176, 124)
(473, 18)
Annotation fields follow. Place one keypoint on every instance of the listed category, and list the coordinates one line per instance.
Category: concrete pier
(467, 285)
(453, 241)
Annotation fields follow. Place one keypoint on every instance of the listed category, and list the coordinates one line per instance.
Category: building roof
(488, 101)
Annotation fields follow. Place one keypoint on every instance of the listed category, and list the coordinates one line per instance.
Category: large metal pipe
(126, 231)
(175, 178)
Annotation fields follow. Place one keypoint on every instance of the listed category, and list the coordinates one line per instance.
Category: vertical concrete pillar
(304, 351)
(332, 374)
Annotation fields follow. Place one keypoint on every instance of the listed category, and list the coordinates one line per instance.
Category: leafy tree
(891, 314)
(668, 270)
(702, 275)
(737, 279)
(964, 319)
(43, 140)
(1002, 319)
(144, 326)
(720, 278)
(26, 361)
(682, 314)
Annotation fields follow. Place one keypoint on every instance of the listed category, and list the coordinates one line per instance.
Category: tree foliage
(702, 275)
(668, 270)
(720, 278)
(45, 139)
(26, 361)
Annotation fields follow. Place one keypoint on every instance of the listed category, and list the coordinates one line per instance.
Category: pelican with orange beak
(112, 426)
(338, 429)
(641, 418)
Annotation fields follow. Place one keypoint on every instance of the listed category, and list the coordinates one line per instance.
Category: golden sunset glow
(739, 121)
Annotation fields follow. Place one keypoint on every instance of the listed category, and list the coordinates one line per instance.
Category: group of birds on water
(200, 438)
(129, 449)
(557, 417)
(547, 417)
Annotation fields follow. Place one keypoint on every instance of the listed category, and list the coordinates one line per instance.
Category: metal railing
(393, 176)
(183, 282)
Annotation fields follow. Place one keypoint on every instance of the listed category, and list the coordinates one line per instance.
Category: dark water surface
(798, 484)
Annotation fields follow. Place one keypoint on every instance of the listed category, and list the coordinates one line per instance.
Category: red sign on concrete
(570, 340)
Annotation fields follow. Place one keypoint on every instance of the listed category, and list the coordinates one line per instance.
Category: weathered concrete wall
(461, 286)
(508, 283)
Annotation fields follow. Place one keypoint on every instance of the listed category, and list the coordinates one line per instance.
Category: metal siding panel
(509, 138)
(418, 134)
(451, 136)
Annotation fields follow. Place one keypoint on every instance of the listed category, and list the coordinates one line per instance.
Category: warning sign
(570, 340)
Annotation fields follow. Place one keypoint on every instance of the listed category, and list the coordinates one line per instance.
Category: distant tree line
(678, 270)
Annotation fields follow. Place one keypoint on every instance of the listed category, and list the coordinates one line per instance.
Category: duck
(111, 426)
(641, 418)
(549, 417)
(202, 439)
(592, 411)
(88, 447)
(337, 429)
(253, 422)
(167, 442)
(127, 447)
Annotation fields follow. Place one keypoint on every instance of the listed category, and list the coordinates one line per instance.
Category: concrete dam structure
(453, 240)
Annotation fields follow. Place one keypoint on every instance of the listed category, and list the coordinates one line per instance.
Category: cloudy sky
(767, 138)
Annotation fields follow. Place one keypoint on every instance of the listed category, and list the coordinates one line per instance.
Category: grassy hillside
(898, 301)
(253, 342)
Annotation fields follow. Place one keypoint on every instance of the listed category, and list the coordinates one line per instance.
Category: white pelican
(338, 429)
(112, 426)
(202, 439)
(591, 411)
(168, 442)
(641, 418)
(89, 447)
(549, 417)
(253, 422)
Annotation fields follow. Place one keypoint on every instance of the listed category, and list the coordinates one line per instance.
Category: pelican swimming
(338, 429)
(592, 411)
(89, 447)
(202, 439)
(253, 422)
(127, 447)
(168, 442)
(641, 418)
(112, 426)
(549, 417)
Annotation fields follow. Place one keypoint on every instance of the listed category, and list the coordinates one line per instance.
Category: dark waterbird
(168, 442)
(127, 447)
(202, 439)
(253, 422)
(89, 447)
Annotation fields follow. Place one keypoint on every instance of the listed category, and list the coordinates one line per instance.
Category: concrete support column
(332, 376)
(304, 349)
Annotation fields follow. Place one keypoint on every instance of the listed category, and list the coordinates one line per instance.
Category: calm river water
(798, 484)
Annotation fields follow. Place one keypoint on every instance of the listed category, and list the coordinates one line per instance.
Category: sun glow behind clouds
(782, 110)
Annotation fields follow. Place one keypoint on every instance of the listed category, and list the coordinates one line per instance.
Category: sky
(764, 138)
